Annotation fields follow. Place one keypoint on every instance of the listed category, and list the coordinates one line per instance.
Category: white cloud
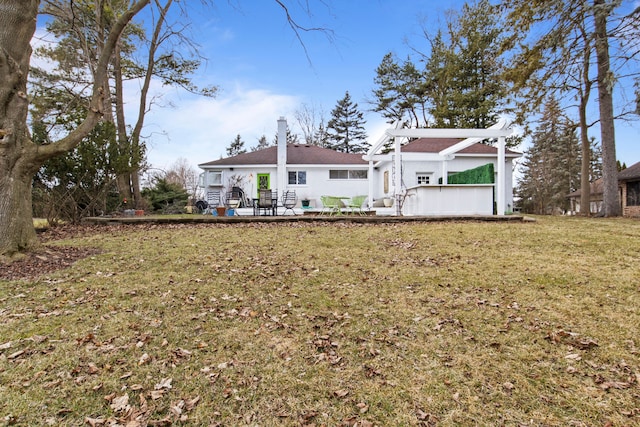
(199, 129)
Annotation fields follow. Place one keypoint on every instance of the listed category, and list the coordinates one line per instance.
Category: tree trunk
(610, 195)
(17, 25)
(20, 158)
(17, 233)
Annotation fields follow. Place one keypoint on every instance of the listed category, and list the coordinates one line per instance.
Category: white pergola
(472, 136)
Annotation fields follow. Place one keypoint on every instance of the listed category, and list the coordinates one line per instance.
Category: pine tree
(262, 143)
(551, 166)
(461, 84)
(345, 130)
(236, 147)
(320, 137)
(292, 138)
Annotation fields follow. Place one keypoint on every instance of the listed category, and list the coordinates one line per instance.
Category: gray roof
(632, 172)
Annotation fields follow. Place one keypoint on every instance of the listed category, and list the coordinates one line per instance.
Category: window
(214, 178)
(297, 177)
(347, 174)
(633, 193)
(423, 178)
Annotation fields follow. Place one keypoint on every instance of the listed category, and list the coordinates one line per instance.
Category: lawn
(311, 324)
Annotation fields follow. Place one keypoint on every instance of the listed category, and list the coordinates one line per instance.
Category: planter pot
(388, 201)
(139, 212)
(305, 203)
(220, 211)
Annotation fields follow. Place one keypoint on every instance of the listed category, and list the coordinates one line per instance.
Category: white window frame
(421, 176)
(297, 173)
(351, 174)
(214, 178)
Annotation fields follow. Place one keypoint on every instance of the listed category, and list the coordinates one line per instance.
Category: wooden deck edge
(370, 219)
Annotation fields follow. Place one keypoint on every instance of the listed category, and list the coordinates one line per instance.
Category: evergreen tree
(400, 93)
(345, 130)
(461, 84)
(292, 138)
(555, 45)
(236, 147)
(320, 137)
(262, 143)
(551, 166)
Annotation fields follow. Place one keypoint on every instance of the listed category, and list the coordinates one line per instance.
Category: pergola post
(501, 177)
(397, 182)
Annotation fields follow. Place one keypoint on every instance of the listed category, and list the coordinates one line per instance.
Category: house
(629, 182)
(595, 198)
(311, 172)
(419, 189)
(629, 185)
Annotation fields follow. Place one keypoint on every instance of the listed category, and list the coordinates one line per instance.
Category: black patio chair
(289, 201)
(266, 203)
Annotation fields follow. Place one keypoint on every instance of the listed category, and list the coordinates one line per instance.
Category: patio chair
(355, 204)
(266, 203)
(330, 205)
(213, 201)
(289, 201)
(232, 202)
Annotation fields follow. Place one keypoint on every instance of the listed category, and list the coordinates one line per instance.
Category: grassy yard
(434, 324)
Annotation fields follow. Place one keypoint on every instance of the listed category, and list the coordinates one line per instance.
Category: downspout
(281, 172)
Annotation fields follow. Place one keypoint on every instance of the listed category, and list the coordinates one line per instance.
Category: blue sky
(263, 71)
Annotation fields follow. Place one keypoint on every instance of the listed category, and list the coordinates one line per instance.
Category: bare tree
(311, 120)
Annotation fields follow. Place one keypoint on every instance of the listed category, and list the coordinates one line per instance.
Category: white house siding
(318, 181)
(435, 168)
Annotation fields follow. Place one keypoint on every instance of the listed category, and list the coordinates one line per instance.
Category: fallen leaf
(614, 384)
(120, 403)
(341, 393)
(190, 404)
(144, 359)
(164, 384)
(15, 355)
(157, 394)
(177, 408)
(181, 352)
(93, 422)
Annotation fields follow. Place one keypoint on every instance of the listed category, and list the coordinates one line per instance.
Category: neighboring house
(629, 185)
(629, 182)
(595, 199)
(314, 171)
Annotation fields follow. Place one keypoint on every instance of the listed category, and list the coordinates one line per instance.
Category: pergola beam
(449, 133)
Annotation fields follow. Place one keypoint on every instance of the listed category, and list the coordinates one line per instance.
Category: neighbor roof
(297, 154)
(632, 172)
(435, 145)
(595, 189)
